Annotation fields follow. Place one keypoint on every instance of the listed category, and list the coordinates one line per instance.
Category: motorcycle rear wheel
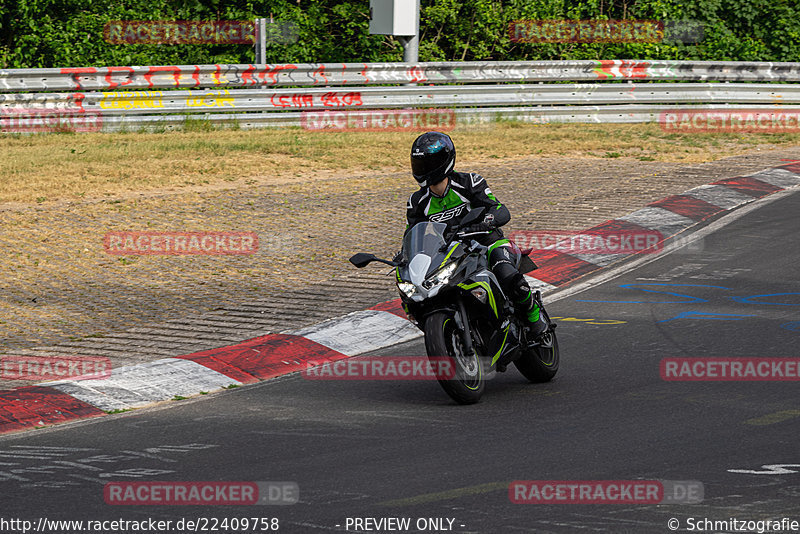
(540, 364)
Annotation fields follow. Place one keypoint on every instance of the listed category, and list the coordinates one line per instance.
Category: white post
(411, 44)
(261, 40)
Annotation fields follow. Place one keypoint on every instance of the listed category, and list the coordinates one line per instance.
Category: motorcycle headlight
(407, 288)
(442, 276)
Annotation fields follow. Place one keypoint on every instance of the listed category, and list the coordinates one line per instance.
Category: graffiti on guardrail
(322, 74)
(210, 99)
(174, 77)
(141, 96)
(620, 68)
(302, 100)
(132, 100)
(126, 100)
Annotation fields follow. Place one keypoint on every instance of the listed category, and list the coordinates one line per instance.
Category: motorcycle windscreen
(424, 241)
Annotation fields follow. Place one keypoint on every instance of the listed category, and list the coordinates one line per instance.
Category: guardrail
(324, 74)
(261, 95)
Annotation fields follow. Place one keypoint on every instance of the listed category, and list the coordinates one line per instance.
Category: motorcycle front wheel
(443, 339)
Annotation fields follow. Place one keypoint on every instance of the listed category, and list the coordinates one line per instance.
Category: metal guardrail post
(411, 44)
(261, 40)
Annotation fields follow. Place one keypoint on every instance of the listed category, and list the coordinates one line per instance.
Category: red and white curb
(668, 216)
(359, 332)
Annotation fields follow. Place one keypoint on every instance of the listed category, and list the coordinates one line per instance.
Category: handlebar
(458, 234)
(482, 232)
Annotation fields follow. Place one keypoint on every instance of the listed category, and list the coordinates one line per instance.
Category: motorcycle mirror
(362, 259)
(472, 217)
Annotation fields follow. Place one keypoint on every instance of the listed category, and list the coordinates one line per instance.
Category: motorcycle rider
(446, 196)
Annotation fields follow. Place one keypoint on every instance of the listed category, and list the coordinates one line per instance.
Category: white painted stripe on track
(360, 332)
(539, 285)
(778, 177)
(138, 385)
(719, 195)
(668, 223)
(601, 260)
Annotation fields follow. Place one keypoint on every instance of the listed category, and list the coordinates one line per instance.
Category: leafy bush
(69, 33)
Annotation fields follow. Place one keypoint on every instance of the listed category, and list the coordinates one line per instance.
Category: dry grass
(57, 167)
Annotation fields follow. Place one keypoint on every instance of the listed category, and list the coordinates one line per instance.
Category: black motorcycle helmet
(433, 155)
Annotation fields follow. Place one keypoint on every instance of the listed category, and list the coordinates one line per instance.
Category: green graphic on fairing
(488, 288)
(452, 249)
(500, 350)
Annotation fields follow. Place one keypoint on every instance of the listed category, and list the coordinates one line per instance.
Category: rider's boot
(529, 310)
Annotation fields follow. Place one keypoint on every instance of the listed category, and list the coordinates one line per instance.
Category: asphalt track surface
(403, 449)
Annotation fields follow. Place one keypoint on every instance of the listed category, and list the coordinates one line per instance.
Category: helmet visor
(430, 168)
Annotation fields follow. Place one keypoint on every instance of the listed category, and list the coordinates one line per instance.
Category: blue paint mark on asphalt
(706, 316)
(793, 326)
(748, 300)
(636, 286)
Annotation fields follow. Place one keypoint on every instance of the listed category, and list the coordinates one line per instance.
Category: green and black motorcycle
(449, 292)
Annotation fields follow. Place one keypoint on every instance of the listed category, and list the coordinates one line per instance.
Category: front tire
(444, 339)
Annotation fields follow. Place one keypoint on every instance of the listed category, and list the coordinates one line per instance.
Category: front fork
(460, 318)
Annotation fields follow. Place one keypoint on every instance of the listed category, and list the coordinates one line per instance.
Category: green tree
(69, 33)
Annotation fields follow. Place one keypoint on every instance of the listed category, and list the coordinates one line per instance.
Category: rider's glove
(486, 226)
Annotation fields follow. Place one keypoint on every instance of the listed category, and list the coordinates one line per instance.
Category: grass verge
(53, 167)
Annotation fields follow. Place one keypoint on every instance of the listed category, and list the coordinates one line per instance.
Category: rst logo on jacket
(448, 214)
(464, 192)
